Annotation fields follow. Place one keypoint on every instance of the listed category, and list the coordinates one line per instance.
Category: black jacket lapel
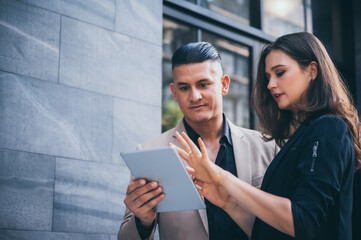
(281, 153)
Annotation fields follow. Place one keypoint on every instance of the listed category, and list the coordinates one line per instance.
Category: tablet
(164, 166)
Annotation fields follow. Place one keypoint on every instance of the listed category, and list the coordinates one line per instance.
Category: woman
(306, 193)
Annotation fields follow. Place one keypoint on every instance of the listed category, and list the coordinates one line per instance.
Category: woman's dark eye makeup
(280, 73)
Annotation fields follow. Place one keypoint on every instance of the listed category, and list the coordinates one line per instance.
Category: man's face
(198, 88)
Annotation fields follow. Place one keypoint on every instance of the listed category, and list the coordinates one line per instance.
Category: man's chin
(198, 119)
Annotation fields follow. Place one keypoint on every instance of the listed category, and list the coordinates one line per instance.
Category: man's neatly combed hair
(326, 94)
(196, 52)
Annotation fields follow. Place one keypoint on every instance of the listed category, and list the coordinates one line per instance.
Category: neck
(210, 130)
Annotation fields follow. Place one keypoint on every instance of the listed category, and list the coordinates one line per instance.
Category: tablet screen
(165, 166)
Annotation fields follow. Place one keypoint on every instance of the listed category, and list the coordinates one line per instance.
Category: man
(198, 86)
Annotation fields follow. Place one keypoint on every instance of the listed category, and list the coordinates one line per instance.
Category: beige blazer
(252, 155)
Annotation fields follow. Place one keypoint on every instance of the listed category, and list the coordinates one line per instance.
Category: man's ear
(172, 88)
(313, 69)
(225, 80)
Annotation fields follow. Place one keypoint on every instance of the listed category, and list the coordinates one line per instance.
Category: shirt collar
(226, 132)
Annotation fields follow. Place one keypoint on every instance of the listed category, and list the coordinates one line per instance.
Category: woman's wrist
(231, 205)
(218, 178)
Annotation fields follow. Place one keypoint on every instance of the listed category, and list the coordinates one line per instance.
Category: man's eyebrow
(202, 80)
(181, 84)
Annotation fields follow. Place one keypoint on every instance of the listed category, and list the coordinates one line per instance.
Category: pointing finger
(191, 144)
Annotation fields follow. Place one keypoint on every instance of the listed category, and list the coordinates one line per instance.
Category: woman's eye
(279, 74)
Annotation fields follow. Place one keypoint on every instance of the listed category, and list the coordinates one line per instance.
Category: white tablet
(165, 166)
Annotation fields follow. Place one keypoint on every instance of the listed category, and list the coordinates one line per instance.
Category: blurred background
(83, 80)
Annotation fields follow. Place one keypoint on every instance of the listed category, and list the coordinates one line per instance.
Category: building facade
(80, 81)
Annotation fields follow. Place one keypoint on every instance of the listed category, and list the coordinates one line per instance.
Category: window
(284, 16)
(236, 9)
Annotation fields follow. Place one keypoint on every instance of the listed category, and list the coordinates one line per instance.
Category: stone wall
(80, 81)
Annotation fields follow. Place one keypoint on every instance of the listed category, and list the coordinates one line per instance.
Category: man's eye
(183, 88)
(203, 85)
(279, 74)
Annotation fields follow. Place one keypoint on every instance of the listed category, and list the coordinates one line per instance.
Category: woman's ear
(313, 70)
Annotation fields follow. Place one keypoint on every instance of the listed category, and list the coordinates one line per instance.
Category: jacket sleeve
(128, 228)
(326, 157)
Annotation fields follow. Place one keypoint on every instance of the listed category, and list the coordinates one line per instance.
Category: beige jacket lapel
(242, 153)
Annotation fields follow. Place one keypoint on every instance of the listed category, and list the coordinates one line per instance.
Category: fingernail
(142, 182)
(153, 184)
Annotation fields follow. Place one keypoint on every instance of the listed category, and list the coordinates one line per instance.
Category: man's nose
(271, 83)
(195, 95)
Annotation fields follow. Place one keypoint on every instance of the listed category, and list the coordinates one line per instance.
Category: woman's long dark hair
(326, 94)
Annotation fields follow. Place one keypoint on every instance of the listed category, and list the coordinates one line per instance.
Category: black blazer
(315, 171)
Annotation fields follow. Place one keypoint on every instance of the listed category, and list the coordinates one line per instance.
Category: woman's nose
(271, 83)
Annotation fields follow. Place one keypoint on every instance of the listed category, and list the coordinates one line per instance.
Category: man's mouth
(196, 107)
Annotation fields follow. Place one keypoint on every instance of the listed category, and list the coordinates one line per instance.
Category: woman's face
(287, 80)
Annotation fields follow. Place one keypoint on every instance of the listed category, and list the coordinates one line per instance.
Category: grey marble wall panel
(26, 187)
(35, 235)
(134, 123)
(89, 196)
(101, 13)
(110, 63)
(141, 19)
(43, 117)
(29, 40)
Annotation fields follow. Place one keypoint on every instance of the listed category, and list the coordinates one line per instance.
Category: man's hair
(196, 52)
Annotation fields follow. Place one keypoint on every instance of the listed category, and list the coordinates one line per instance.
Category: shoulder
(160, 140)
(254, 138)
(329, 125)
(163, 139)
(250, 133)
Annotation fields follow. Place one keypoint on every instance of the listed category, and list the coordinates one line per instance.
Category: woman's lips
(277, 96)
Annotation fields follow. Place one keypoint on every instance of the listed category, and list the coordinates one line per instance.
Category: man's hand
(141, 198)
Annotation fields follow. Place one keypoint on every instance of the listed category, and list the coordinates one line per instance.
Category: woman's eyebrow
(279, 65)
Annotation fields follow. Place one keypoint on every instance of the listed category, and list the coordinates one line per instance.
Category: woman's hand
(205, 173)
(201, 167)
(215, 194)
